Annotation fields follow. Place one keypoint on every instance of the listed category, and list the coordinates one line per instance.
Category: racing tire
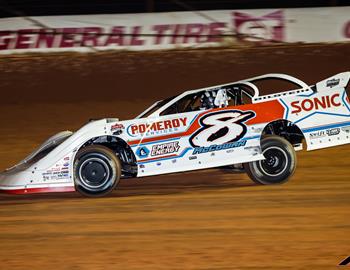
(97, 171)
(279, 163)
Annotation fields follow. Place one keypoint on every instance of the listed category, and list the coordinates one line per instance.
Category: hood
(40, 152)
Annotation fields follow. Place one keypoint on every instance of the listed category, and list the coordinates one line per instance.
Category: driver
(214, 99)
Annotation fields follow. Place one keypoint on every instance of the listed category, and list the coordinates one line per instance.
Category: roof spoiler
(338, 80)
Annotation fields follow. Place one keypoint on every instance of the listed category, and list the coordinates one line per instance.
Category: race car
(223, 125)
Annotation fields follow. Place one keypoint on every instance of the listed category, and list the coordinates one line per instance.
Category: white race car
(224, 125)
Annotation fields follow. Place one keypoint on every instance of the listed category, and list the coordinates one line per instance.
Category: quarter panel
(323, 116)
(160, 148)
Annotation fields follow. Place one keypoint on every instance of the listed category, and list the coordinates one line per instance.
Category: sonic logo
(307, 105)
(221, 127)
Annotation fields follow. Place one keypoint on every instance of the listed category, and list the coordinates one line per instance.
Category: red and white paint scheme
(173, 30)
(210, 127)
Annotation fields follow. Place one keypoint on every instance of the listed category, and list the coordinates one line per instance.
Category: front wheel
(279, 163)
(96, 171)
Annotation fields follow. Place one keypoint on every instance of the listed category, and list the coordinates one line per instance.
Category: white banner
(154, 31)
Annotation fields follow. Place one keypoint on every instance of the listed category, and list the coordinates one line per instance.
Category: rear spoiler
(339, 80)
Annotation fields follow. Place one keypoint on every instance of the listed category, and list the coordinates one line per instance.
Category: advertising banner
(155, 31)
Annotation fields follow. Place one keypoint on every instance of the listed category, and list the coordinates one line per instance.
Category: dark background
(9, 8)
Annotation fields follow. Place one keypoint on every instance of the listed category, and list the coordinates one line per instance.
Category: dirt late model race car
(224, 125)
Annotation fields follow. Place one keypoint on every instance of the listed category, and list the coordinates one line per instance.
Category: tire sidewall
(258, 174)
(114, 169)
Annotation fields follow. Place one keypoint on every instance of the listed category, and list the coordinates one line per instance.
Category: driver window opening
(220, 97)
(188, 103)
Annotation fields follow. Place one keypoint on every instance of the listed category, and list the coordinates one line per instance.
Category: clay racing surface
(211, 219)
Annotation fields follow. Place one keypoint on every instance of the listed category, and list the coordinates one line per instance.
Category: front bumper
(21, 182)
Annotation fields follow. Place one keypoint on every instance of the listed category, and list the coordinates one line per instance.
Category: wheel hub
(275, 161)
(94, 172)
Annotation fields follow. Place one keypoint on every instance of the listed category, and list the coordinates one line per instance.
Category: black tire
(97, 171)
(279, 165)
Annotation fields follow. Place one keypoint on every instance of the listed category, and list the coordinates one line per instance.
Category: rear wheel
(279, 163)
(96, 171)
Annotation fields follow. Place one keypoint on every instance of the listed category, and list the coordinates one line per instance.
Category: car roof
(250, 82)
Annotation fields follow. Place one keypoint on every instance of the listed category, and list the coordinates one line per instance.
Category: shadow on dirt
(159, 185)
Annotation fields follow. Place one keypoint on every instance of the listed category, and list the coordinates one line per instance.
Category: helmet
(207, 100)
(221, 99)
(214, 99)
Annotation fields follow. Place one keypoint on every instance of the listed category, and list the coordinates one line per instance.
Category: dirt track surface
(200, 220)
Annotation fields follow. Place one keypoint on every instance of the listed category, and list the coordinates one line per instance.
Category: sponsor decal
(333, 131)
(269, 27)
(333, 82)
(317, 135)
(255, 150)
(158, 150)
(112, 36)
(56, 174)
(316, 103)
(142, 152)
(117, 129)
(346, 129)
(221, 127)
(117, 126)
(192, 157)
(214, 148)
(157, 128)
(70, 37)
(324, 133)
(165, 148)
(188, 33)
(66, 159)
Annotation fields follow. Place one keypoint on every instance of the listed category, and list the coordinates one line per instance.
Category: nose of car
(14, 179)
